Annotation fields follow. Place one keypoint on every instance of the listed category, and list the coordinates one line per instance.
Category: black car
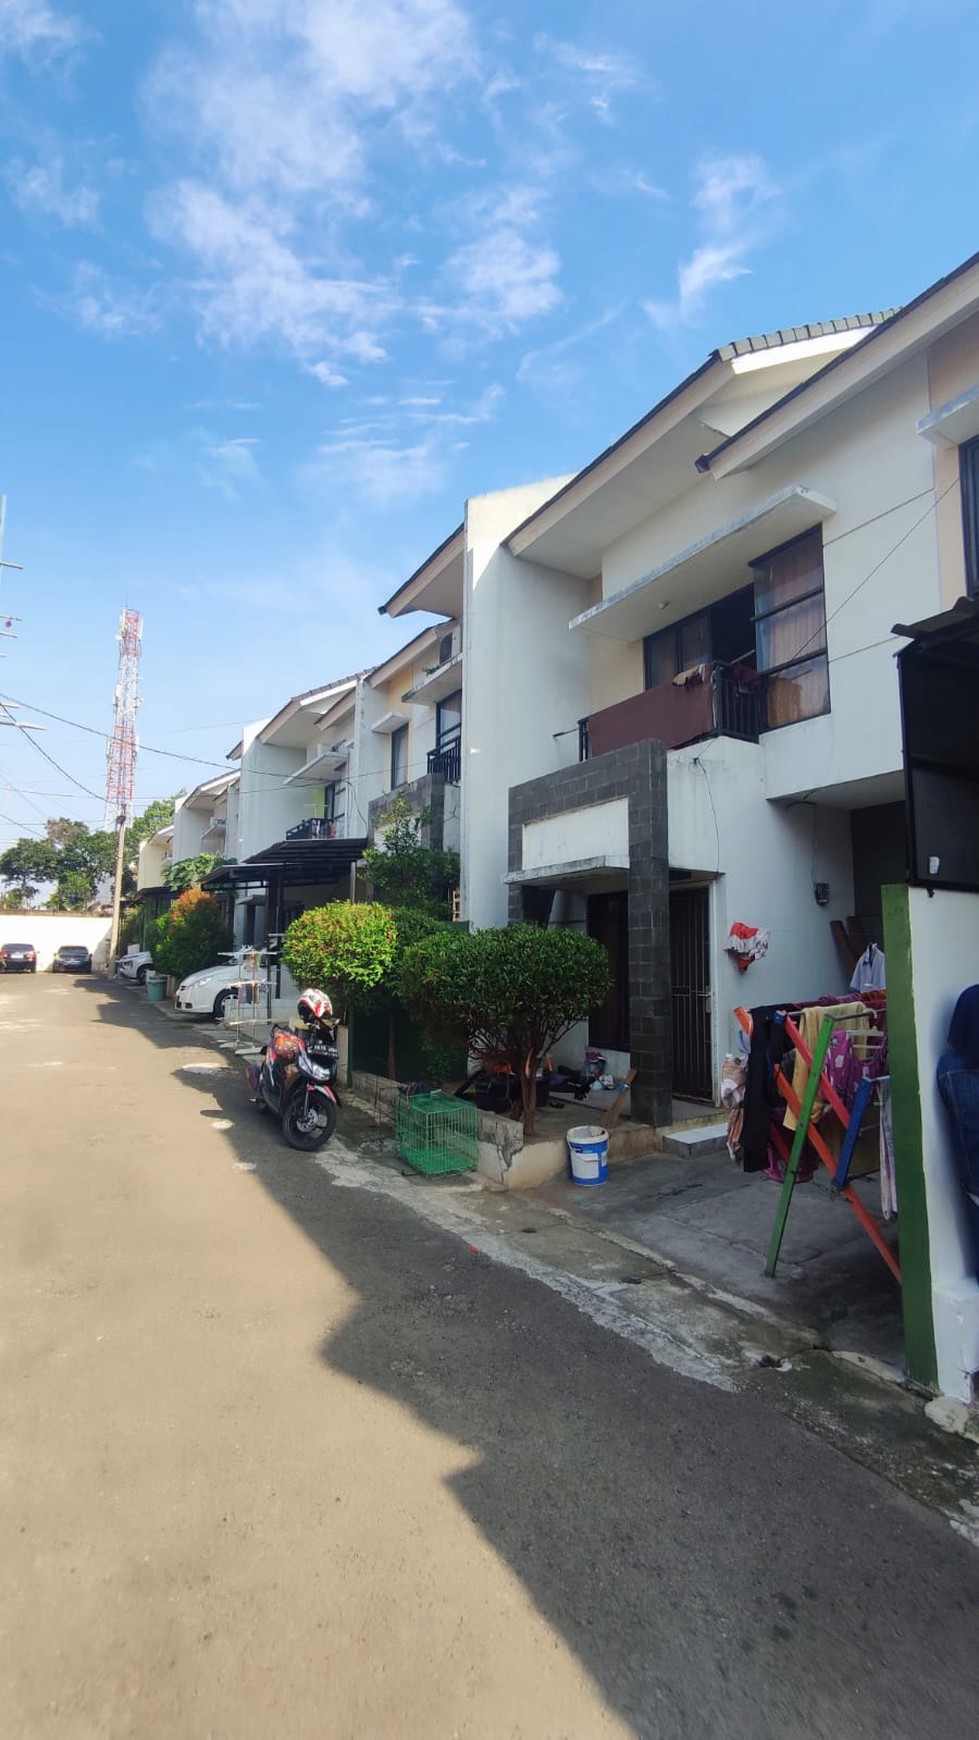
(18, 957)
(72, 958)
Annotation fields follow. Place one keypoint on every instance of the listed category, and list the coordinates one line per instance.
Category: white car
(210, 991)
(135, 967)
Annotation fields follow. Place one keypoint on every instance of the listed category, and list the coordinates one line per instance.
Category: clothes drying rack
(818, 1087)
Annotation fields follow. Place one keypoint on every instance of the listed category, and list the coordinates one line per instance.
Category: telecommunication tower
(120, 786)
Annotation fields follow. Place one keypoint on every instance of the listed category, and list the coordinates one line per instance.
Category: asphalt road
(283, 1458)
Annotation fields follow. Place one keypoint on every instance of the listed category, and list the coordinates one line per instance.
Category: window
(330, 802)
(399, 757)
(448, 720)
(969, 474)
(790, 631)
(723, 633)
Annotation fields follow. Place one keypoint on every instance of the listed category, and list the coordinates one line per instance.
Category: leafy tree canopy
(191, 936)
(508, 995)
(344, 948)
(403, 872)
(190, 872)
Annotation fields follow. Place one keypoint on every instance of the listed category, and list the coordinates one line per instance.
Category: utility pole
(120, 785)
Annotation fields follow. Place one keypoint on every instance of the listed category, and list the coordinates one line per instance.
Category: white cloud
(735, 199)
(252, 284)
(505, 280)
(228, 466)
(603, 72)
(382, 473)
(109, 309)
(42, 190)
(29, 26)
(281, 103)
(327, 375)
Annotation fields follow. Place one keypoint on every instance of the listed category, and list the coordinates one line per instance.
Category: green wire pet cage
(436, 1133)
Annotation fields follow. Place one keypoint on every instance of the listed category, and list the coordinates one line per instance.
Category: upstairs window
(399, 757)
(790, 631)
(724, 633)
(448, 720)
(330, 794)
(969, 474)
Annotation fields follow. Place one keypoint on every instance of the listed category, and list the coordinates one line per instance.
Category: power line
(49, 758)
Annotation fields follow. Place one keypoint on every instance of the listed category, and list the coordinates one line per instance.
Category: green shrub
(191, 936)
(344, 949)
(508, 995)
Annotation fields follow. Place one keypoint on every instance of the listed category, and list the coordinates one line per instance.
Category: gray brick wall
(425, 796)
(637, 773)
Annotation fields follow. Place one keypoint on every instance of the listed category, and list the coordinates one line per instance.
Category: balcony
(318, 828)
(447, 761)
(723, 703)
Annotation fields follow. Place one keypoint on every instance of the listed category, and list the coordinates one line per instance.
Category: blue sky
(284, 280)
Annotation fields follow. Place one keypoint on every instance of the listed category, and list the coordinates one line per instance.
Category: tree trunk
(528, 1093)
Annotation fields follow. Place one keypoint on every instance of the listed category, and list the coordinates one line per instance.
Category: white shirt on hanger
(870, 973)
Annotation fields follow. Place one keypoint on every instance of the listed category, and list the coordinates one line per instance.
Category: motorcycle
(296, 1078)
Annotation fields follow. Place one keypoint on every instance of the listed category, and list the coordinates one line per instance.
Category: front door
(693, 1072)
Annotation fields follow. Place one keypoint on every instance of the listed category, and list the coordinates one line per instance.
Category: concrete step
(695, 1140)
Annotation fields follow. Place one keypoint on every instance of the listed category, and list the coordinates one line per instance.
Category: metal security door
(693, 1072)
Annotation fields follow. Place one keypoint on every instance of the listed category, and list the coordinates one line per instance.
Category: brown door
(608, 923)
(693, 1072)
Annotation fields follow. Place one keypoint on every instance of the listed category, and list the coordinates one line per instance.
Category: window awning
(954, 422)
(320, 768)
(707, 570)
(573, 871)
(444, 680)
(294, 862)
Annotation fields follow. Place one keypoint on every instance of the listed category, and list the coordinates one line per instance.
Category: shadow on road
(689, 1545)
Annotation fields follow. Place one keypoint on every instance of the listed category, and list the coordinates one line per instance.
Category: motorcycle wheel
(308, 1131)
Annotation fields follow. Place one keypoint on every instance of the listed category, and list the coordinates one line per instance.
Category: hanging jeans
(959, 1088)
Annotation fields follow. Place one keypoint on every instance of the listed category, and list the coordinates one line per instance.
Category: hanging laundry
(747, 943)
(870, 973)
(734, 1072)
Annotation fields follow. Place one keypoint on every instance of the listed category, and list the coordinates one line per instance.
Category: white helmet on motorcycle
(315, 1006)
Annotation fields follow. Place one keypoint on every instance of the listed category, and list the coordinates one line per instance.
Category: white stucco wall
(47, 931)
(267, 807)
(526, 680)
(188, 826)
(880, 555)
(154, 853)
(944, 962)
(761, 860)
(585, 833)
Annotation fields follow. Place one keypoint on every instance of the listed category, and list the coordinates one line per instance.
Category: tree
(344, 948)
(74, 890)
(27, 863)
(191, 936)
(403, 872)
(508, 995)
(91, 855)
(190, 872)
(60, 830)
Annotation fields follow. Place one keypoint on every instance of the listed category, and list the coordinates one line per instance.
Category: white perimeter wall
(945, 962)
(526, 678)
(47, 931)
(762, 860)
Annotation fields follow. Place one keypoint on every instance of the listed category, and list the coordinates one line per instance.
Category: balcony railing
(725, 702)
(317, 828)
(447, 761)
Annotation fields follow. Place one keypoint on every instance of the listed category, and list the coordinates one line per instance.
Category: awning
(436, 684)
(154, 893)
(958, 626)
(321, 768)
(573, 871)
(954, 422)
(295, 863)
(707, 570)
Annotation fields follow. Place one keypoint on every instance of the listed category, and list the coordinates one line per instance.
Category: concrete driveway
(283, 1458)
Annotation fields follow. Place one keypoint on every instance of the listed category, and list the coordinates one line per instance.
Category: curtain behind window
(791, 641)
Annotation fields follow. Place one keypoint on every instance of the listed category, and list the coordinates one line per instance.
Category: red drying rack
(818, 1086)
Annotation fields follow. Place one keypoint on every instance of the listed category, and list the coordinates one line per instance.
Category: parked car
(134, 967)
(72, 958)
(18, 957)
(210, 991)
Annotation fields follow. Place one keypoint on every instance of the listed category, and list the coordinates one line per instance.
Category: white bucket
(588, 1150)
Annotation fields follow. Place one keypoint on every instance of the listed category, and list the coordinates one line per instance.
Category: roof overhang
(436, 684)
(290, 727)
(911, 329)
(406, 655)
(955, 630)
(436, 585)
(707, 570)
